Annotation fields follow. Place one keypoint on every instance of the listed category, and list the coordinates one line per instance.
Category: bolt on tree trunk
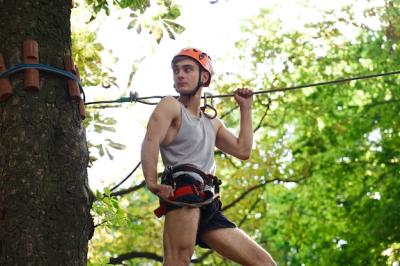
(45, 200)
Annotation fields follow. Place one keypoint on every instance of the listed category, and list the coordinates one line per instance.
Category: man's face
(186, 75)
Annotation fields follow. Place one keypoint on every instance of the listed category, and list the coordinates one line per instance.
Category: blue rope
(46, 68)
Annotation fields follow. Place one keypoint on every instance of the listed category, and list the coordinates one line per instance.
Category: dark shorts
(211, 216)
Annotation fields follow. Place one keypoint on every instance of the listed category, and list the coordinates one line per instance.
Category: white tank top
(194, 144)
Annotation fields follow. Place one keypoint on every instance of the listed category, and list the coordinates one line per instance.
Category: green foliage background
(322, 186)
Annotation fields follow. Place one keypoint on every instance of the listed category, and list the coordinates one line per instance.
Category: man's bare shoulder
(168, 106)
(217, 123)
(169, 99)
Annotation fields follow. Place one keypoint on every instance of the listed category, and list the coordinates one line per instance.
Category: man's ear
(204, 76)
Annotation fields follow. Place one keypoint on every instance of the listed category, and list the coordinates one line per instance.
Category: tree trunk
(45, 200)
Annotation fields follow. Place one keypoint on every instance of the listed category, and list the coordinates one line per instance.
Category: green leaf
(107, 191)
(110, 156)
(101, 149)
(115, 145)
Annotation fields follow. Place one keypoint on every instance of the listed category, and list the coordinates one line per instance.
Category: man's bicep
(159, 122)
(225, 138)
(226, 141)
(157, 127)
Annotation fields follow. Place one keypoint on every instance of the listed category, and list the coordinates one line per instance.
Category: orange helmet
(202, 58)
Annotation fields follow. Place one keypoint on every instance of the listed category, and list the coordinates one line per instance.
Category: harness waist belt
(193, 174)
(186, 168)
(208, 190)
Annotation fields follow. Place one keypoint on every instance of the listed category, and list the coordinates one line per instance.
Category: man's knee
(263, 259)
(176, 262)
(180, 256)
(179, 260)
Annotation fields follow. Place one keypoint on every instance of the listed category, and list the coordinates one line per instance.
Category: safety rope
(134, 96)
(126, 178)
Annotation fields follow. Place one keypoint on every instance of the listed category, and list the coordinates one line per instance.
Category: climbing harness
(207, 191)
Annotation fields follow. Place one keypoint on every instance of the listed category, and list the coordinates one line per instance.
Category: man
(186, 137)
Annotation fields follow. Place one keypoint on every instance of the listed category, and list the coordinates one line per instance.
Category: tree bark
(45, 200)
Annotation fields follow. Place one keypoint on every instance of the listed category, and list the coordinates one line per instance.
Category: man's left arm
(240, 146)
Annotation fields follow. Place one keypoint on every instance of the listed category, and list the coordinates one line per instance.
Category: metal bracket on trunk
(73, 86)
(31, 56)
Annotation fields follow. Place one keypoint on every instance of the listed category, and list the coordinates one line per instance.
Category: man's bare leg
(180, 229)
(234, 244)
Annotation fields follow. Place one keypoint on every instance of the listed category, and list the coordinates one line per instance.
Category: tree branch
(248, 191)
(252, 207)
(230, 111)
(135, 254)
(267, 106)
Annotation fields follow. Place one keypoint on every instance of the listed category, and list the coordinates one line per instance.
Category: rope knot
(133, 96)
